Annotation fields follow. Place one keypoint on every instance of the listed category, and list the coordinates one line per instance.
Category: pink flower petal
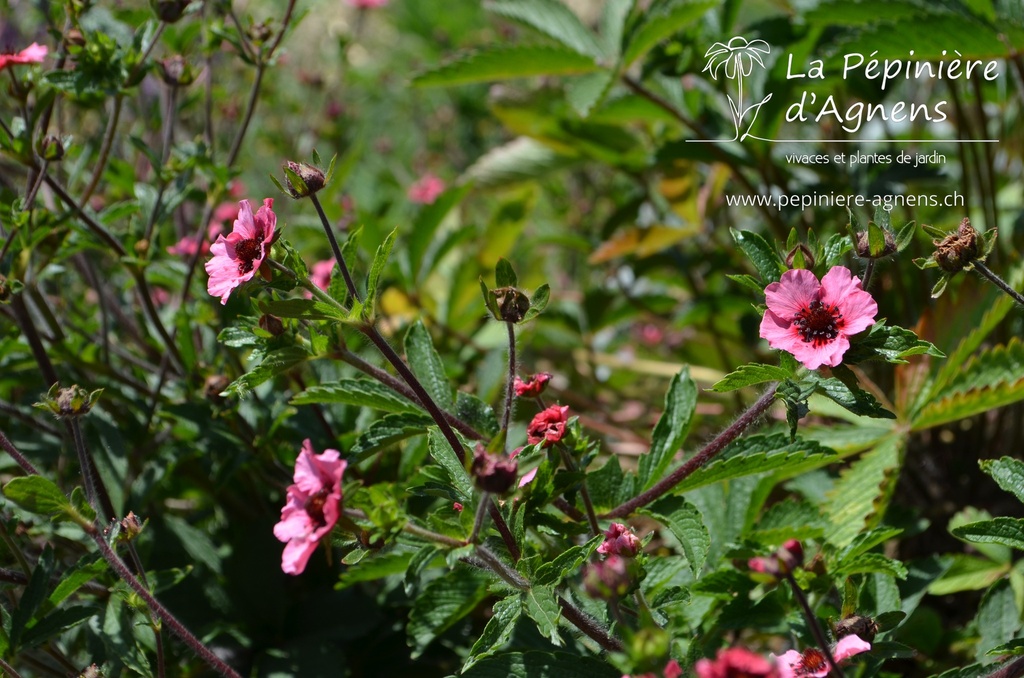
(849, 646)
(795, 290)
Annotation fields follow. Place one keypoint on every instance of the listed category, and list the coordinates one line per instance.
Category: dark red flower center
(248, 250)
(812, 661)
(315, 507)
(819, 323)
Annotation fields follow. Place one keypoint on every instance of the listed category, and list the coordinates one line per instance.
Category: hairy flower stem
(997, 281)
(869, 269)
(710, 451)
(17, 456)
(8, 670)
(335, 248)
(590, 626)
(571, 466)
(509, 575)
(812, 622)
(1009, 669)
(510, 387)
(157, 608)
(478, 519)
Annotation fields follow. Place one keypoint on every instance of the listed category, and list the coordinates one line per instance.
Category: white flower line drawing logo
(738, 57)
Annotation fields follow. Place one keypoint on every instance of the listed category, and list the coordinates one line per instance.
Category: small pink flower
(619, 540)
(548, 425)
(532, 387)
(314, 504)
(426, 189)
(457, 507)
(736, 662)
(33, 54)
(237, 257)
(367, 4)
(814, 321)
(321, 273)
(813, 664)
(672, 669)
(786, 558)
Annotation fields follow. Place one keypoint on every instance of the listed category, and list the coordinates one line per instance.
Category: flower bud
(532, 387)
(175, 71)
(786, 558)
(957, 250)
(865, 628)
(492, 472)
(272, 324)
(169, 11)
(214, 386)
(619, 540)
(864, 245)
(805, 251)
(131, 527)
(73, 401)
(261, 33)
(302, 180)
(607, 579)
(74, 38)
(512, 304)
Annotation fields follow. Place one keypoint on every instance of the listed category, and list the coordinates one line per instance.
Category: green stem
(812, 622)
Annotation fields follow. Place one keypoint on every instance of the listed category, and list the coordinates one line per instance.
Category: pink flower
(237, 257)
(548, 425)
(813, 664)
(426, 189)
(321, 273)
(619, 540)
(786, 558)
(736, 662)
(672, 669)
(532, 387)
(367, 4)
(814, 321)
(457, 507)
(33, 54)
(314, 503)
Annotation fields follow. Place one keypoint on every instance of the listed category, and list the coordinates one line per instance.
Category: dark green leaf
(497, 632)
(538, 303)
(308, 309)
(761, 254)
(1008, 474)
(748, 375)
(444, 602)
(541, 605)
(445, 456)
(854, 399)
(55, 623)
(566, 563)
(476, 413)
(358, 392)
(671, 429)
(377, 566)
(503, 63)
(426, 364)
(388, 430)
(34, 594)
(275, 362)
(553, 19)
(662, 20)
(686, 524)
(535, 664)
(1005, 531)
(37, 494)
(504, 274)
(380, 260)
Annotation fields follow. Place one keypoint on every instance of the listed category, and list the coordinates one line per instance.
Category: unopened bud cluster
(73, 401)
(957, 250)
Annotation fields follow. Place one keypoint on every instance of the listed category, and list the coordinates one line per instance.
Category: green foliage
(671, 429)
(500, 63)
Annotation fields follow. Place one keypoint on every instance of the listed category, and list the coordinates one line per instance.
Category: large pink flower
(813, 664)
(814, 321)
(736, 662)
(237, 257)
(314, 503)
(32, 54)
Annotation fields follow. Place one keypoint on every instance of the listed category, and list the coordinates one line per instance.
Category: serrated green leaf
(685, 522)
(37, 494)
(388, 430)
(748, 375)
(238, 337)
(357, 392)
(671, 429)
(538, 302)
(541, 605)
(661, 21)
(426, 364)
(835, 247)
(380, 260)
(1014, 648)
(867, 563)
(864, 542)
(56, 622)
(84, 571)
(536, 664)
(34, 594)
(967, 573)
(377, 566)
(553, 19)
(588, 91)
(761, 254)
(998, 620)
(566, 563)
(504, 63)
(890, 343)
(504, 274)
(445, 456)
(308, 309)
(476, 413)
(520, 160)
(444, 602)
(1002, 530)
(748, 281)
(854, 399)
(498, 631)
(1008, 474)
(773, 453)
(863, 491)
(273, 363)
